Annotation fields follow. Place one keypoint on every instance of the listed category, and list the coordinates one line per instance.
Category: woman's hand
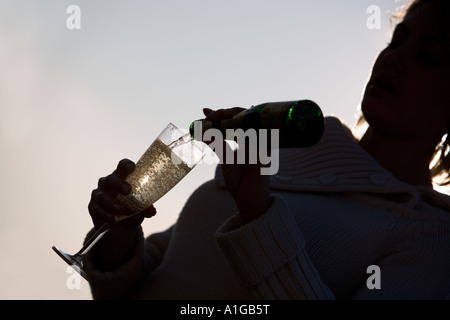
(118, 242)
(248, 187)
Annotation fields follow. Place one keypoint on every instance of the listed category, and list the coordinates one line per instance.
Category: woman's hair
(440, 164)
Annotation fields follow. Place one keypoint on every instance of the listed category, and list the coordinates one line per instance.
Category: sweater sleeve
(124, 281)
(268, 256)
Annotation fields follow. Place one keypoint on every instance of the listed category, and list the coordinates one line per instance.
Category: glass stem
(95, 238)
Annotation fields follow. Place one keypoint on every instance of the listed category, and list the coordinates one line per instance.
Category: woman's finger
(113, 184)
(222, 113)
(124, 168)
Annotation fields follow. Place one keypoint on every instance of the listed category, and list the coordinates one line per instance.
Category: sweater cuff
(120, 282)
(258, 249)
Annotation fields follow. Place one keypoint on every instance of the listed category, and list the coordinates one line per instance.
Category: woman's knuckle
(107, 181)
(101, 181)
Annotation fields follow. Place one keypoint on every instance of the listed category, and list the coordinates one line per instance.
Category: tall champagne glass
(166, 162)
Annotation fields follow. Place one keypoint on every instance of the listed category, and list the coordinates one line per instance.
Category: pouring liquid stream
(182, 140)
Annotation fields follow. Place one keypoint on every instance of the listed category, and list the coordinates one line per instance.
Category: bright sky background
(75, 102)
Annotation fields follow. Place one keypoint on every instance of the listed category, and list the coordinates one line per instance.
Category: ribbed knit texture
(261, 255)
(335, 212)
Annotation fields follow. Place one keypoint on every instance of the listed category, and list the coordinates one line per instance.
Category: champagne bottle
(300, 123)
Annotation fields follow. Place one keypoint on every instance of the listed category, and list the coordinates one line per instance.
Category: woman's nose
(395, 59)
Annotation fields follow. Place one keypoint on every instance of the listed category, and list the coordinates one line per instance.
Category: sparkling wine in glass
(167, 161)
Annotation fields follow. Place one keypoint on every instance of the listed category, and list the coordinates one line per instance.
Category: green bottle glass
(300, 123)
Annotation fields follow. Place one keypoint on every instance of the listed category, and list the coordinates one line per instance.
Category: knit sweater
(335, 212)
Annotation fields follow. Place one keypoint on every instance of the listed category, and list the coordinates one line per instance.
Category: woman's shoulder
(437, 197)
